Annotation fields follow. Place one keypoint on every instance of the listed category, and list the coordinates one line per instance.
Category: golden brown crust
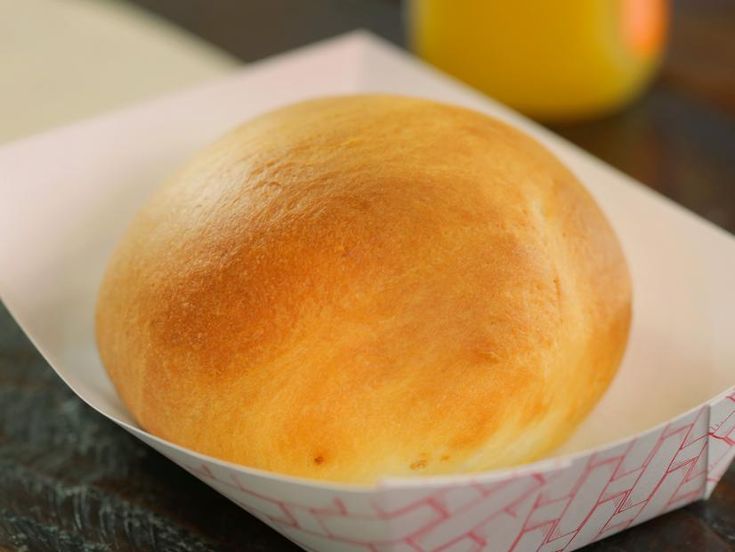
(363, 286)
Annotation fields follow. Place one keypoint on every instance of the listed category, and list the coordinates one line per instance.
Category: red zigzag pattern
(561, 509)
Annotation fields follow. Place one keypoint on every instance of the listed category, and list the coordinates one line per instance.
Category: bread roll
(366, 286)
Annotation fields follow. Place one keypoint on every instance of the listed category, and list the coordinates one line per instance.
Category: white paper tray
(662, 436)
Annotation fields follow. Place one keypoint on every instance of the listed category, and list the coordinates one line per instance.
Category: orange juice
(551, 59)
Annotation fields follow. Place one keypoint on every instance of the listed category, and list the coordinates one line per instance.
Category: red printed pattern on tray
(561, 509)
(721, 439)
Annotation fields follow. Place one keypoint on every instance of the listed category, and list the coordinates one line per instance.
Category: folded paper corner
(720, 438)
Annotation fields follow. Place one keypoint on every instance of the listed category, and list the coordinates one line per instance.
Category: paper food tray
(661, 437)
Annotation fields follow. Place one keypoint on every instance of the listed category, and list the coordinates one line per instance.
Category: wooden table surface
(70, 480)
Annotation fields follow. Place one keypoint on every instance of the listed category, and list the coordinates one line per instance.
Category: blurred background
(646, 85)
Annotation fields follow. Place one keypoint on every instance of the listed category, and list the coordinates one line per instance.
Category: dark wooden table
(70, 480)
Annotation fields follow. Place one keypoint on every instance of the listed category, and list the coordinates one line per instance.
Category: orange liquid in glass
(553, 60)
